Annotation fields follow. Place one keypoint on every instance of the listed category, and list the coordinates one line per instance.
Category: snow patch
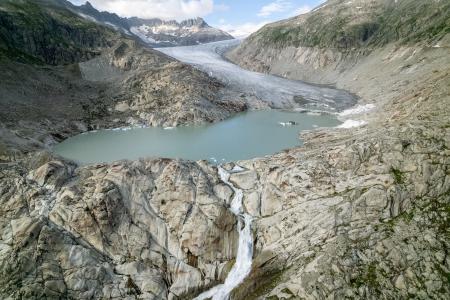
(89, 18)
(141, 32)
(112, 25)
(360, 109)
(351, 124)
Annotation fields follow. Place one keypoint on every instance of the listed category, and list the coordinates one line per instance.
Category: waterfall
(243, 264)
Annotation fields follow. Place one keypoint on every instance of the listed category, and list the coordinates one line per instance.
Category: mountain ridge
(157, 32)
(319, 45)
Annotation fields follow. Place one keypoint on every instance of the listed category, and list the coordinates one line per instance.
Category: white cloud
(164, 9)
(274, 7)
(242, 30)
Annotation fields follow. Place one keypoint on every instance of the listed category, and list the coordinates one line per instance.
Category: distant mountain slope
(171, 33)
(46, 32)
(318, 46)
(156, 32)
(361, 23)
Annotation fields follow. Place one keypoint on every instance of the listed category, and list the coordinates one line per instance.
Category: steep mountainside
(60, 70)
(46, 32)
(359, 213)
(319, 45)
(361, 23)
(157, 32)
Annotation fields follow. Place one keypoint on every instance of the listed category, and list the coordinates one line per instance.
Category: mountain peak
(88, 4)
(155, 31)
(194, 22)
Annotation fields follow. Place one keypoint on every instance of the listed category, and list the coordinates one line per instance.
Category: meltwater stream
(243, 264)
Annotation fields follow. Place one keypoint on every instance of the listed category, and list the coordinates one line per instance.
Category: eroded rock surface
(63, 74)
(358, 213)
(151, 228)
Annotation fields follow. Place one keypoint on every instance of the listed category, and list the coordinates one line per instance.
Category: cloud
(274, 7)
(164, 9)
(242, 30)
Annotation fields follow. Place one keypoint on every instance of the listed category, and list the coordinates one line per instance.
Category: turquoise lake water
(245, 136)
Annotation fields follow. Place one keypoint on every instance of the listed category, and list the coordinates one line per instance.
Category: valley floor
(360, 213)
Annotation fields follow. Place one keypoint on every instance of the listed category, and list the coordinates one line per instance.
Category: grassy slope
(342, 26)
(47, 32)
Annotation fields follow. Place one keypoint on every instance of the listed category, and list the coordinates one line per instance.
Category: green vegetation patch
(36, 32)
(406, 21)
(399, 176)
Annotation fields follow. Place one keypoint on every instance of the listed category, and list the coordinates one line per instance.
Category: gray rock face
(148, 228)
(159, 33)
(357, 213)
(47, 96)
(156, 32)
(343, 224)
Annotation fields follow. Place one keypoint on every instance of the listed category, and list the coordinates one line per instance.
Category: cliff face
(142, 229)
(354, 213)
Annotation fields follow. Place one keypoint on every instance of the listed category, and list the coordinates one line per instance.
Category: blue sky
(239, 17)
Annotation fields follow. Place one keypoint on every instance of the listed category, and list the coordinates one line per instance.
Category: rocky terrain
(326, 43)
(357, 213)
(360, 213)
(156, 32)
(62, 75)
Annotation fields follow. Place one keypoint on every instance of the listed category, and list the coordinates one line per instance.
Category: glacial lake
(245, 136)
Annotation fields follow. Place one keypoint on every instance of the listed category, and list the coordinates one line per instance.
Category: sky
(238, 17)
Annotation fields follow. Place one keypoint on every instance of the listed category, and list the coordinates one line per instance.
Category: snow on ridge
(141, 33)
